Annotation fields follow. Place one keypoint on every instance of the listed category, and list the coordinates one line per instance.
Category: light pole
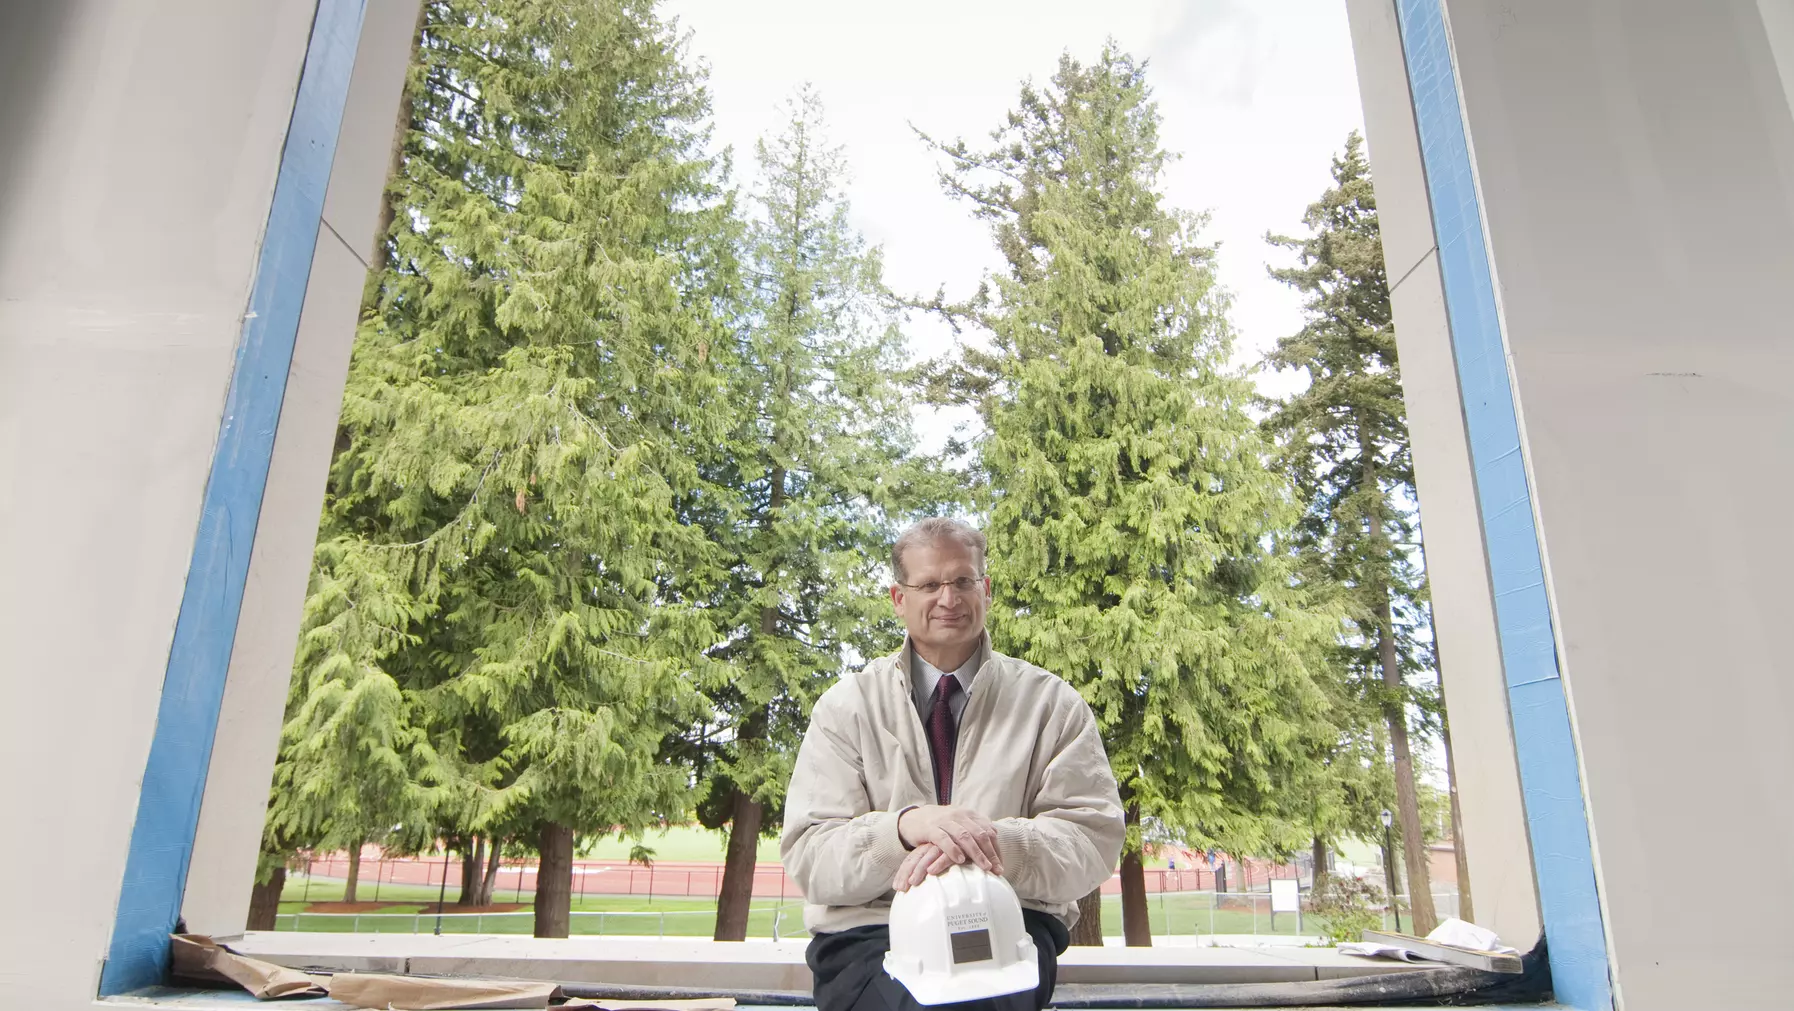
(442, 889)
(1389, 868)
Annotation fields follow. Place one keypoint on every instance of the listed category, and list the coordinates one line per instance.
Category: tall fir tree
(1345, 782)
(822, 464)
(344, 773)
(1345, 440)
(1132, 519)
(500, 532)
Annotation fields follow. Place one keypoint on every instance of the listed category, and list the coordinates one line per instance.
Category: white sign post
(1286, 897)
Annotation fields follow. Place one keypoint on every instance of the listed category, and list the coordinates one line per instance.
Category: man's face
(948, 617)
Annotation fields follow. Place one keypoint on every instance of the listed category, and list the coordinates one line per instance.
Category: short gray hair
(934, 530)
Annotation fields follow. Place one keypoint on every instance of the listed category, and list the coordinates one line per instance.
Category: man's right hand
(962, 834)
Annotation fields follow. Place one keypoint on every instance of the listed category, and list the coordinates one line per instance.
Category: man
(944, 753)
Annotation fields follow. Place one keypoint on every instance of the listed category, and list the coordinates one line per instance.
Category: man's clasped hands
(940, 836)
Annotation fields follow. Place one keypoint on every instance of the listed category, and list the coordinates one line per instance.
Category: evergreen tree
(1132, 520)
(501, 528)
(1346, 441)
(344, 774)
(808, 485)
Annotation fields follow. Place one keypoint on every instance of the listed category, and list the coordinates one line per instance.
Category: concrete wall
(142, 147)
(130, 216)
(1495, 839)
(1636, 163)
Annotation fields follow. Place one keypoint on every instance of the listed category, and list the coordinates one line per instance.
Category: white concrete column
(1495, 839)
(1635, 163)
(139, 146)
(231, 815)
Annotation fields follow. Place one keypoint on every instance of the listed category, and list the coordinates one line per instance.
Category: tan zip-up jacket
(1029, 758)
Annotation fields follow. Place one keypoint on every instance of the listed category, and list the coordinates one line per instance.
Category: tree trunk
(473, 861)
(554, 882)
(1089, 930)
(494, 858)
(1321, 863)
(1136, 919)
(349, 886)
(264, 900)
(736, 896)
(1407, 800)
(1466, 910)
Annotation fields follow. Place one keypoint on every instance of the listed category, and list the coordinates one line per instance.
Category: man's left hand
(965, 835)
(922, 861)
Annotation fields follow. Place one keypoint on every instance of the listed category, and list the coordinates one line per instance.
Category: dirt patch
(349, 907)
(428, 908)
(497, 907)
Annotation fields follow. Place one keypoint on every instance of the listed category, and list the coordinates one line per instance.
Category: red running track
(703, 879)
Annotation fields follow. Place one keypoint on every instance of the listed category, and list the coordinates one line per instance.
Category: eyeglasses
(964, 584)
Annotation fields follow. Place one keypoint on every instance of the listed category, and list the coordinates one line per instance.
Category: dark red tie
(943, 737)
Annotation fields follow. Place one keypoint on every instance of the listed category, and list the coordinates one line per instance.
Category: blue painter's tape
(1550, 778)
(1567, 898)
(174, 778)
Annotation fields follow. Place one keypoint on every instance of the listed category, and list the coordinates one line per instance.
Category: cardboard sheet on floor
(202, 959)
(412, 993)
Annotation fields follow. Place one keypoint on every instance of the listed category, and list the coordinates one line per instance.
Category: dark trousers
(849, 973)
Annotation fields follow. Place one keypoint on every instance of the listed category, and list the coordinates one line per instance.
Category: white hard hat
(959, 936)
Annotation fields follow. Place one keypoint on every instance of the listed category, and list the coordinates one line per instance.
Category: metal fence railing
(636, 923)
(676, 879)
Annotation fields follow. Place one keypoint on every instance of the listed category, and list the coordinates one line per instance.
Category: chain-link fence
(624, 923)
(1208, 916)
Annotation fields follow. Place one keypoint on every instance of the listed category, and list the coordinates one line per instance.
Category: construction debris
(202, 959)
(412, 993)
(1454, 942)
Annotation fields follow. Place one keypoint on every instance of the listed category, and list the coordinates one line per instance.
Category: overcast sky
(1256, 96)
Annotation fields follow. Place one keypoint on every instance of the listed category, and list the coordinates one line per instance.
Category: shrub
(1345, 907)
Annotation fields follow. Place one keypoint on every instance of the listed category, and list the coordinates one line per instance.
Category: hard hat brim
(931, 989)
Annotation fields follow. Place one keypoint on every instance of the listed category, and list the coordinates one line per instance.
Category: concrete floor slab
(755, 965)
(164, 998)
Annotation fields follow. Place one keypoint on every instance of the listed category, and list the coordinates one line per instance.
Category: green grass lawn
(680, 916)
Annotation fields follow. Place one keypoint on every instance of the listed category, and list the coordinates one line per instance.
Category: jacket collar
(983, 655)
